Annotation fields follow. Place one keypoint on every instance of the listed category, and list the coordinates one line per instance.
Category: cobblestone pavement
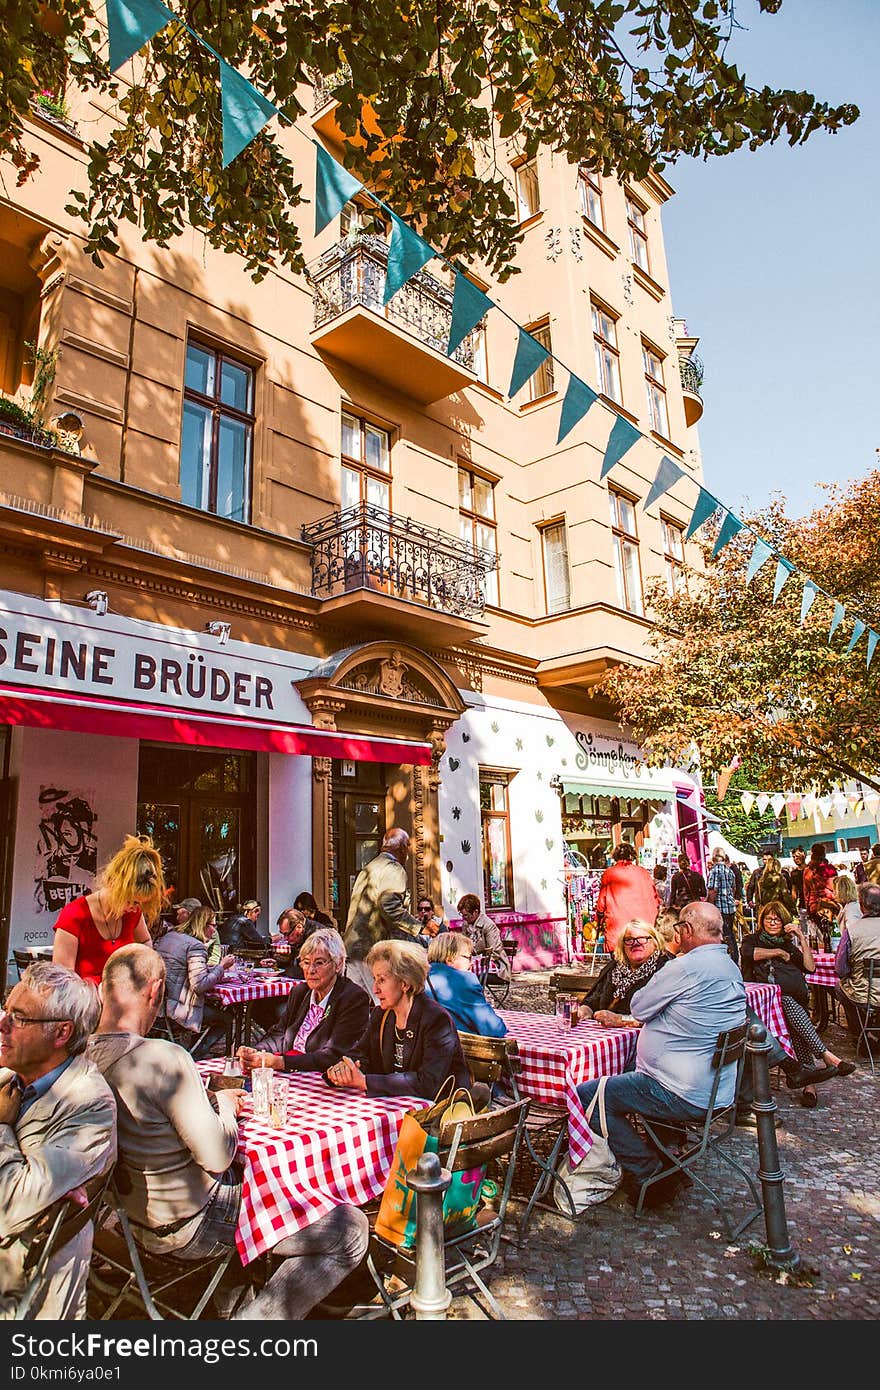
(675, 1263)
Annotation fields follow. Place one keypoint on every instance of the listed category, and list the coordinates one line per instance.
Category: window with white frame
(366, 463)
(476, 521)
(541, 381)
(656, 390)
(590, 192)
(607, 353)
(626, 552)
(557, 579)
(528, 193)
(638, 233)
(673, 555)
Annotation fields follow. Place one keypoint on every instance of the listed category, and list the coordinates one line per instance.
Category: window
(366, 463)
(607, 355)
(673, 555)
(638, 236)
(481, 360)
(476, 522)
(218, 433)
(528, 194)
(495, 827)
(657, 413)
(590, 190)
(626, 552)
(557, 582)
(541, 381)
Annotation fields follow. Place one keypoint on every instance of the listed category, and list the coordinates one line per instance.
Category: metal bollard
(430, 1297)
(781, 1255)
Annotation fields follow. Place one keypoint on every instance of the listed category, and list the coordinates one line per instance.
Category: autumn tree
(435, 92)
(735, 674)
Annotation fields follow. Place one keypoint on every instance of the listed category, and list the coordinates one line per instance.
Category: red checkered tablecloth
(336, 1147)
(824, 974)
(555, 1059)
(239, 992)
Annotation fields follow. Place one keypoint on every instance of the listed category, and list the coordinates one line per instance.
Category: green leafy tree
(745, 831)
(429, 94)
(735, 674)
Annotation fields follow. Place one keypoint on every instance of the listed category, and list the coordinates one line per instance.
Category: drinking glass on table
(279, 1090)
(261, 1089)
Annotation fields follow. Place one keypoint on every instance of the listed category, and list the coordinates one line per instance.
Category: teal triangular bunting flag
(730, 527)
(131, 24)
(873, 639)
(334, 187)
(858, 629)
(760, 555)
(407, 253)
(578, 399)
(837, 619)
(706, 504)
(783, 569)
(469, 305)
(529, 356)
(245, 111)
(808, 598)
(668, 475)
(622, 437)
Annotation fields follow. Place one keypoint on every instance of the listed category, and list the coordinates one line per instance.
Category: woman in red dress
(127, 900)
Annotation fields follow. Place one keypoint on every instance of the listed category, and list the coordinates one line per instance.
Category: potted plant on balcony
(53, 108)
(24, 419)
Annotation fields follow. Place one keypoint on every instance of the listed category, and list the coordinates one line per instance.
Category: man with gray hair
(57, 1130)
(859, 945)
(683, 1008)
(379, 908)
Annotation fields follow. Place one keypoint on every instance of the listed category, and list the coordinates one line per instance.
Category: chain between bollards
(430, 1297)
(781, 1255)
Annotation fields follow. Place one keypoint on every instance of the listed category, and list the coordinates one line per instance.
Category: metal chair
(128, 1276)
(710, 1135)
(54, 1229)
(491, 1137)
(497, 986)
(869, 1018)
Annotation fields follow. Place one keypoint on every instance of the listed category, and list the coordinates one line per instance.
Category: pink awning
(84, 714)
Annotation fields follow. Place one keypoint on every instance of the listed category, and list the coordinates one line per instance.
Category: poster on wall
(67, 847)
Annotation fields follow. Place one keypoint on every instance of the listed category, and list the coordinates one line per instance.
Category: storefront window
(495, 821)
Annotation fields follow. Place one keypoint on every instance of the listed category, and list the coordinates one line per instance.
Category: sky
(774, 262)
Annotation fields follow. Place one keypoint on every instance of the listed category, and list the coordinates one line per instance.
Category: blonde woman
(126, 901)
(640, 952)
(454, 985)
(188, 977)
(847, 894)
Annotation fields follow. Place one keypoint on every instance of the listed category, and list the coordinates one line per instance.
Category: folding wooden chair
(708, 1136)
(54, 1229)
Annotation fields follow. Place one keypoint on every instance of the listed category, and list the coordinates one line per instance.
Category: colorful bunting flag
(793, 807)
(469, 306)
(837, 619)
(730, 527)
(245, 111)
(529, 356)
(808, 598)
(777, 801)
(667, 476)
(808, 805)
(858, 629)
(783, 569)
(622, 437)
(407, 253)
(824, 804)
(705, 506)
(760, 555)
(131, 24)
(840, 804)
(873, 639)
(334, 187)
(872, 801)
(578, 399)
(747, 801)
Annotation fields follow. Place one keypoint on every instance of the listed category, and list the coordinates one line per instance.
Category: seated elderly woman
(454, 985)
(410, 1045)
(640, 952)
(323, 1018)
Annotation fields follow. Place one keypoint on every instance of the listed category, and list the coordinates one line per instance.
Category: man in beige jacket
(379, 908)
(57, 1130)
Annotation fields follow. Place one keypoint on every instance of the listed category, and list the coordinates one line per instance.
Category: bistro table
(823, 979)
(556, 1059)
(335, 1147)
(237, 992)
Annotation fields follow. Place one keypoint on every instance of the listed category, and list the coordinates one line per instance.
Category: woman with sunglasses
(640, 952)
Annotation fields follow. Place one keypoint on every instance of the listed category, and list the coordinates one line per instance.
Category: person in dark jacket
(324, 1018)
(410, 1045)
(640, 952)
(687, 886)
(242, 932)
(305, 903)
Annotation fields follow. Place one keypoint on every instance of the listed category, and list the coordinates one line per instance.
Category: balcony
(691, 369)
(374, 568)
(402, 344)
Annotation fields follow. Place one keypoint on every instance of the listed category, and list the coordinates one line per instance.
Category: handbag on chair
(598, 1174)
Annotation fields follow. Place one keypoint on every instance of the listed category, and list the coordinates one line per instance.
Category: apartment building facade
(286, 574)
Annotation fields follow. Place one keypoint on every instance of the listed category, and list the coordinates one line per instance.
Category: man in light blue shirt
(683, 1009)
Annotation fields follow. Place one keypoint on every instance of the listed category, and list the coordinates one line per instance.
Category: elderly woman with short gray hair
(325, 1015)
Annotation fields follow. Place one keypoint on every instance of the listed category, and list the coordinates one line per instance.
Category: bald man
(379, 908)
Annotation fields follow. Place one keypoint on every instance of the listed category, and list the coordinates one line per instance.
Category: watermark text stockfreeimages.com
(99, 1347)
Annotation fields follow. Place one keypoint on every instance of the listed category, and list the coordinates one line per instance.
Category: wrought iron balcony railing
(691, 374)
(365, 547)
(353, 273)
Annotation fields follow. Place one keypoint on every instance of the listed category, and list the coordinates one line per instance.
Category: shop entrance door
(199, 806)
(358, 827)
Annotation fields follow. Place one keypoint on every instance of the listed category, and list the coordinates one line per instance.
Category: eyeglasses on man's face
(20, 1020)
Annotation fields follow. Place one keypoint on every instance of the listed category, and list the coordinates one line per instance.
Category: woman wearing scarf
(640, 952)
(779, 953)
